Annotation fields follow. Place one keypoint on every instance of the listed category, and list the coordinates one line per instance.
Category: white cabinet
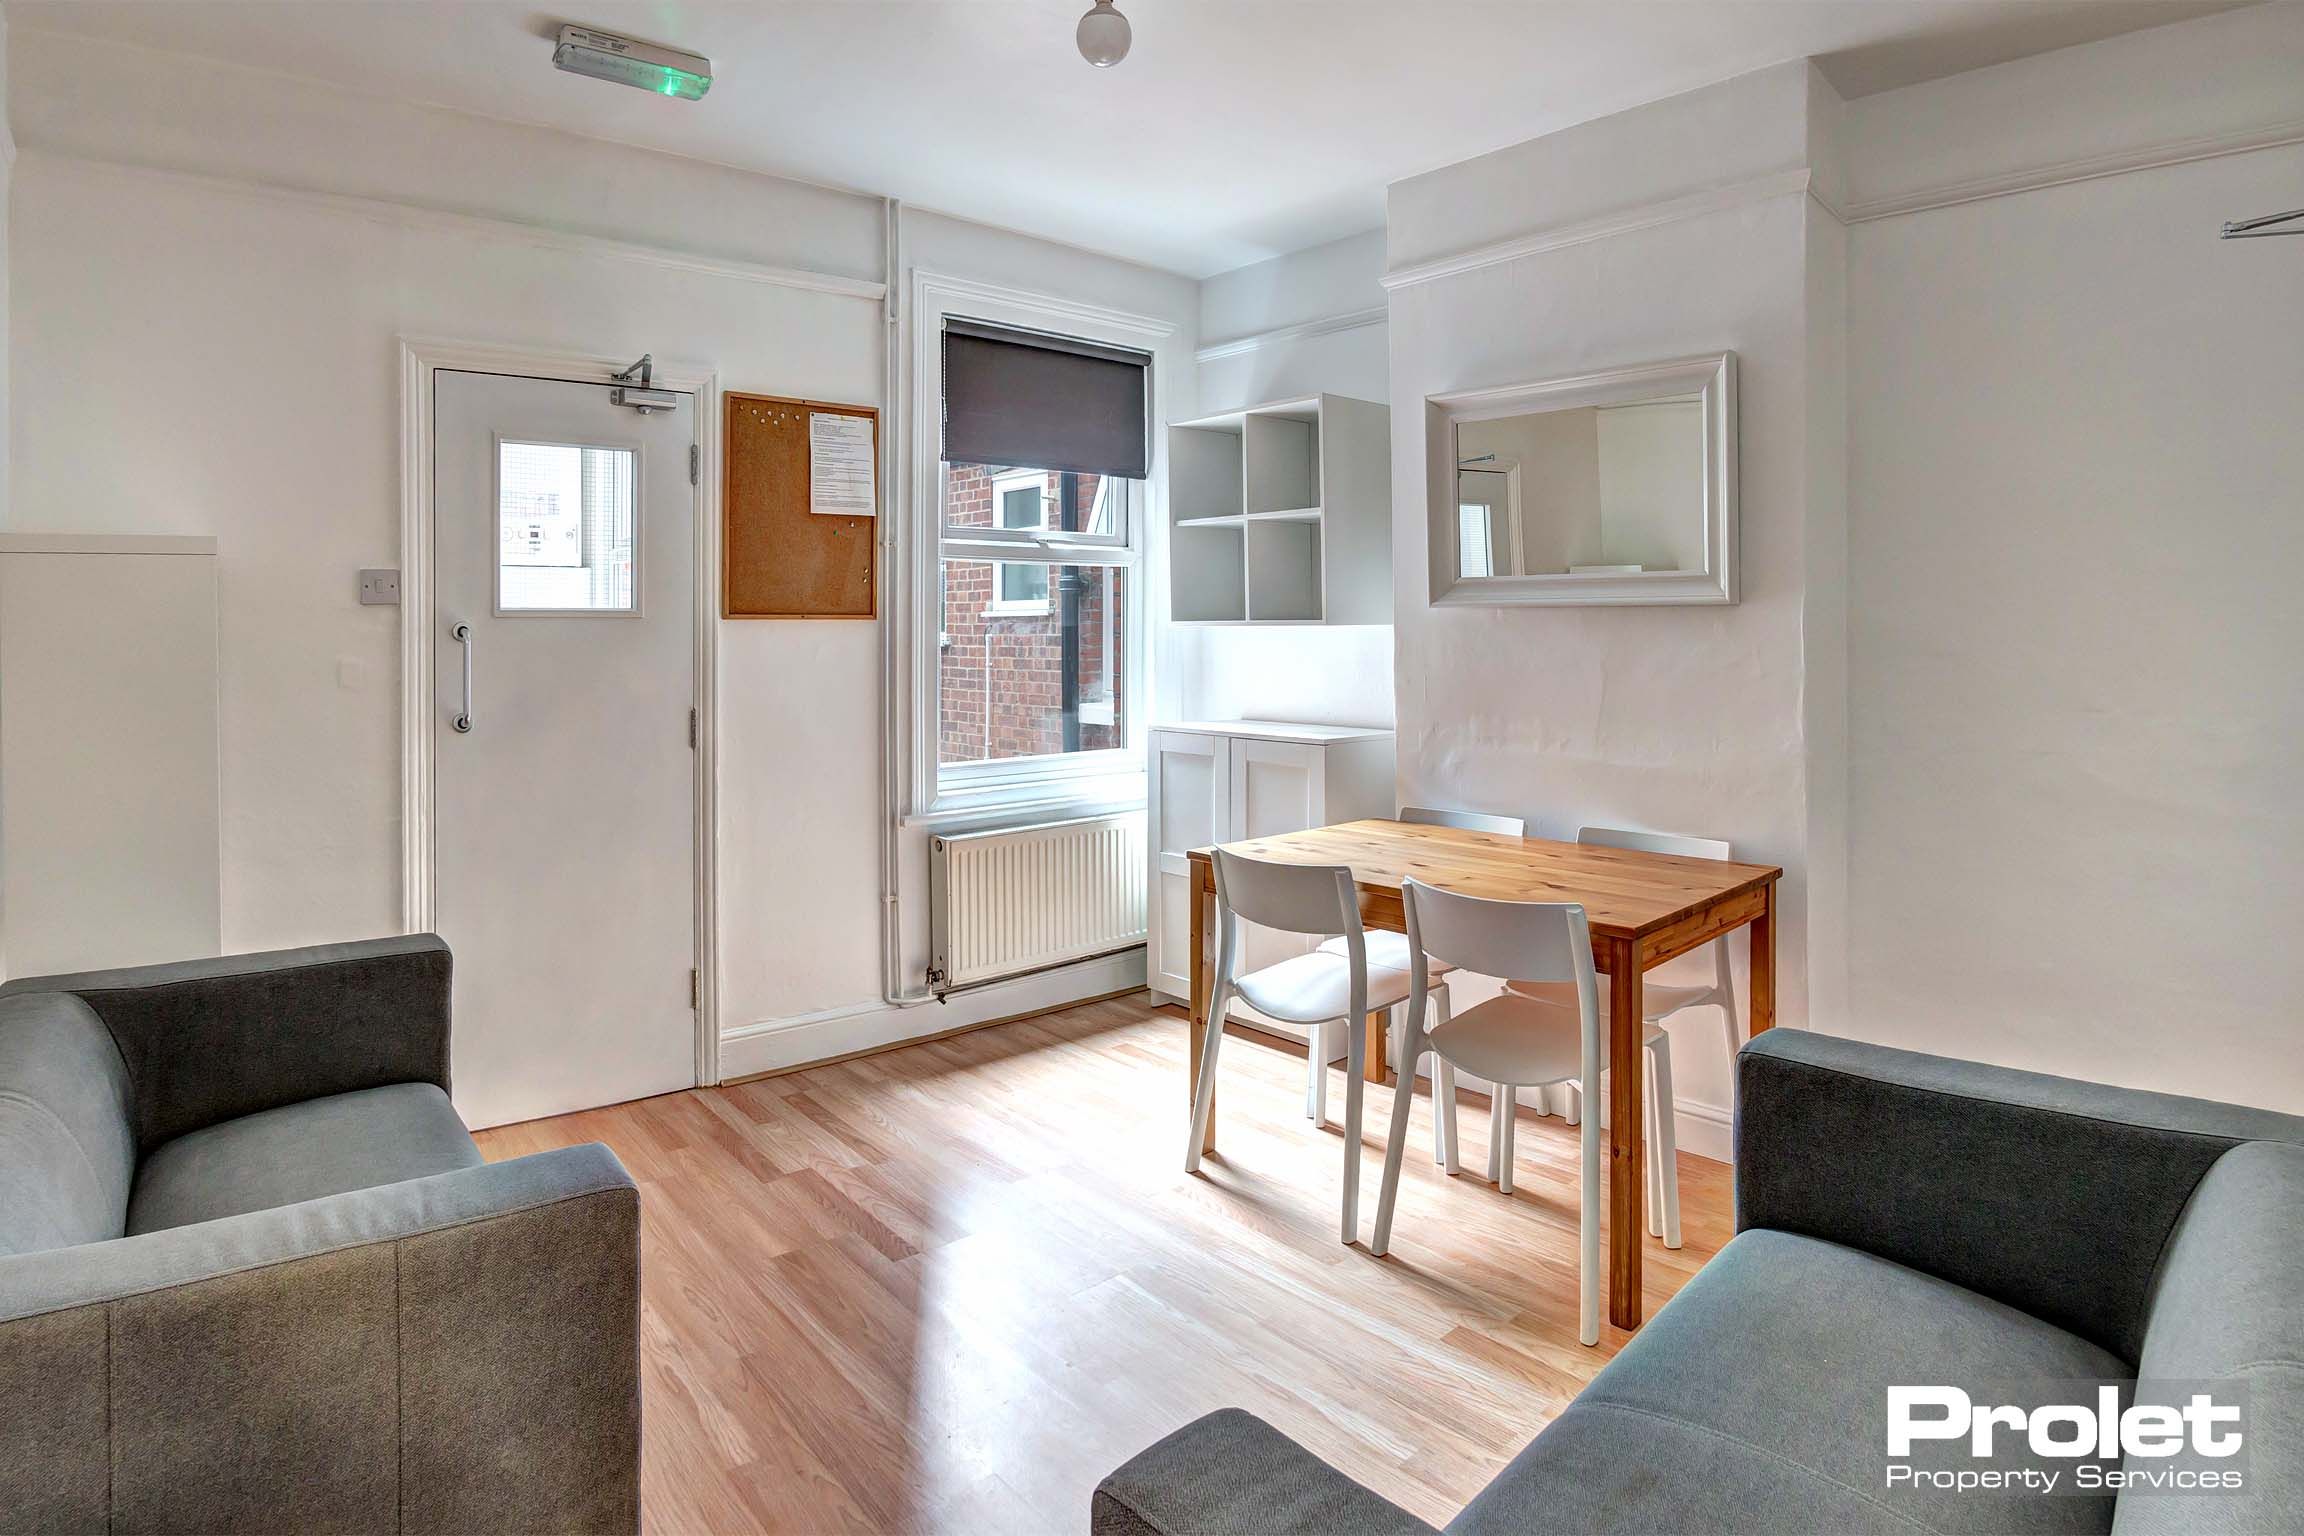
(1221, 781)
(1282, 514)
(1188, 793)
(1278, 786)
(108, 775)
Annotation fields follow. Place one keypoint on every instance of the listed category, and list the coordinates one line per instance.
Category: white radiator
(1026, 898)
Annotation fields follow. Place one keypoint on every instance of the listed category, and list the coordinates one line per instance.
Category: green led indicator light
(647, 66)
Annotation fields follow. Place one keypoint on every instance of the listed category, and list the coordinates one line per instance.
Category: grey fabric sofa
(1901, 1220)
(254, 1275)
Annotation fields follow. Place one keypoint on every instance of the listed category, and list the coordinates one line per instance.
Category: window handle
(462, 635)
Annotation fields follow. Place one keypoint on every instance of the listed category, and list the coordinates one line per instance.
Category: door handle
(462, 635)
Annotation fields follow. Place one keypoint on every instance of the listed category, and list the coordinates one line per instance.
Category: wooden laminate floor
(947, 1288)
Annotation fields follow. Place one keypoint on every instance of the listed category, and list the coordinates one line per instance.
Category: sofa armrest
(1232, 1474)
(2052, 1195)
(211, 1040)
(453, 1353)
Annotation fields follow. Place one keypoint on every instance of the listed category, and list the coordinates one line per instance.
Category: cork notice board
(778, 559)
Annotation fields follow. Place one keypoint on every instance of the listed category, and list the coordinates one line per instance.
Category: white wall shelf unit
(1282, 514)
(1220, 781)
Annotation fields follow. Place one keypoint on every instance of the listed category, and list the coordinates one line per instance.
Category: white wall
(1558, 455)
(1300, 324)
(2172, 93)
(138, 106)
(249, 345)
(1650, 457)
(7, 198)
(1681, 719)
(2076, 517)
(1312, 320)
(2010, 691)
(218, 266)
(7, 179)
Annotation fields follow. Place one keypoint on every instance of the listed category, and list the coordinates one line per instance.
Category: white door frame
(420, 359)
(1509, 468)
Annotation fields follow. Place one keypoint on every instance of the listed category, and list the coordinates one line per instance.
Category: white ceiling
(1235, 130)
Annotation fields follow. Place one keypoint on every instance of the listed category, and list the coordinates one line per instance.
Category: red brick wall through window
(1000, 674)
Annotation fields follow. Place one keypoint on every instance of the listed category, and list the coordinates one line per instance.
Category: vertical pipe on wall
(895, 614)
(1068, 585)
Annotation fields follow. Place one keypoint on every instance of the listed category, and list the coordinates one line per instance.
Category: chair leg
(1355, 1095)
(1506, 1108)
(1588, 1235)
(1572, 1103)
(1204, 1096)
(1495, 1140)
(1444, 1111)
(1443, 1091)
(1316, 1074)
(1665, 1139)
(1651, 1165)
(1396, 1139)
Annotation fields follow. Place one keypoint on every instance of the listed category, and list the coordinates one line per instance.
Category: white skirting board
(774, 1044)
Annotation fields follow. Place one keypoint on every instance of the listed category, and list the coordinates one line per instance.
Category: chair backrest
(1535, 941)
(1686, 848)
(67, 1125)
(1653, 842)
(1516, 940)
(1469, 821)
(1294, 898)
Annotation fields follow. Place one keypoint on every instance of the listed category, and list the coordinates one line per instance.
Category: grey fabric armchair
(255, 1276)
(1901, 1220)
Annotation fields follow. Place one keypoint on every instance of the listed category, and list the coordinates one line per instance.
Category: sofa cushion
(298, 1152)
(2227, 1316)
(67, 1125)
(1756, 1401)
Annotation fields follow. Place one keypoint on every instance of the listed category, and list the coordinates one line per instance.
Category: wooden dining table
(1643, 909)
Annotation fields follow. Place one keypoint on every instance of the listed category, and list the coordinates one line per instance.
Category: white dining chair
(1312, 989)
(1390, 950)
(1517, 1039)
(1661, 1002)
(1468, 821)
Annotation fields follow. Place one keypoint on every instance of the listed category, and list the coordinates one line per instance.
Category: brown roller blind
(1045, 402)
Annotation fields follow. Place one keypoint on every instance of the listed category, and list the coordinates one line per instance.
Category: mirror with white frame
(1614, 487)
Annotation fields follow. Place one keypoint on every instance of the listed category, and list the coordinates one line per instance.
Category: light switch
(380, 588)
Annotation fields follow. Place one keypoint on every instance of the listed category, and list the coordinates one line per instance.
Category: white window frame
(496, 490)
(1509, 468)
(1016, 479)
(1064, 782)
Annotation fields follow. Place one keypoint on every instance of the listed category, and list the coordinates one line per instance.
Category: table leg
(1377, 1065)
(1627, 1175)
(1203, 892)
(1763, 930)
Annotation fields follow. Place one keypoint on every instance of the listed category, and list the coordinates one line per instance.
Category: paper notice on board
(840, 466)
